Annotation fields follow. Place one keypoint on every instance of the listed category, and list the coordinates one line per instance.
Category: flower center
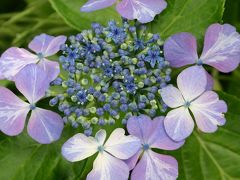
(32, 107)
(100, 149)
(187, 104)
(145, 147)
(40, 56)
(199, 62)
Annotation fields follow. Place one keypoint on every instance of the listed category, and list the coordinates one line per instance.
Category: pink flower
(14, 59)
(44, 126)
(221, 48)
(108, 165)
(192, 95)
(152, 135)
(142, 10)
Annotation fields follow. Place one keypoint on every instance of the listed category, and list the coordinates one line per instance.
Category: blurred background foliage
(21, 20)
(231, 83)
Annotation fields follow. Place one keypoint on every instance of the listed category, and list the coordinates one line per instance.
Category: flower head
(192, 95)
(109, 77)
(108, 165)
(221, 48)
(152, 135)
(44, 126)
(14, 59)
(142, 10)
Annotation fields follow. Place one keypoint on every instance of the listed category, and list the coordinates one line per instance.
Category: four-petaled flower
(44, 126)
(154, 57)
(152, 135)
(108, 165)
(14, 59)
(192, 95)
(221, 49)
(142, 10)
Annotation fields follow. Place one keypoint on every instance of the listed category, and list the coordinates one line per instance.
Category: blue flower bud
(91, 90)
(85, 112)
(113, 113)
(102, 98)
(100, 111)
(123, 100)
(133, 107)
(67, 112)
(78, 112)
(70, 91)
(150, 96)
(152, 112)
(53, 101)
(75, 124)
(65, 120)
(124, 107)
(101, 122)
(106, 107)
(141, 105)
(88, 132)
(124, 121)
(57, 81)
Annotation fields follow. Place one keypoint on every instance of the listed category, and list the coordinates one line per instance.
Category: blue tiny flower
(108, 72)
(102, 98)
(124, 107)
(57, 81)
(82, 96)
(117, 34)
(106, 107)
(138, 44)
(100, 111)
(78, 112)
(130, 87)
(153, 57)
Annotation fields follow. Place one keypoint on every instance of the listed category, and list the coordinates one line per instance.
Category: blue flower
(153, 57)
(138, 44)
(82, 96)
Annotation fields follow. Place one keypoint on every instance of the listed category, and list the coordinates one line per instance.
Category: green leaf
(231, 82)
(192, 16)
(232, 13)
(213, 156)
(70, 12)
(22, 158)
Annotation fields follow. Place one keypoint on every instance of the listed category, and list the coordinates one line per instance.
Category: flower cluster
(113, 73)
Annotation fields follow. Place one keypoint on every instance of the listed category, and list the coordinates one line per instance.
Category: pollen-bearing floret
(113, 72)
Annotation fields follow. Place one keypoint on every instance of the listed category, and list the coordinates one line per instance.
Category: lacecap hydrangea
(111, 73)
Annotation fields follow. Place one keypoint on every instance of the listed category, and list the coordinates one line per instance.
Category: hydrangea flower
(14, 59)
(142, 10)
(192, 95)
(152, 135)
(44, 126)
(113, 72)
(221, 48)
(108, 165)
